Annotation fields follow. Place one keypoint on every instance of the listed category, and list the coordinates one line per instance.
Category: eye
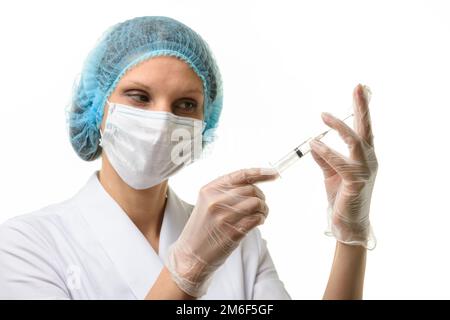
(186, 106)
(139, 97)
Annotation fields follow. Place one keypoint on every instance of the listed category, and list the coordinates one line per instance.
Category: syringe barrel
(292, 157)
(285, 162)
(304, 148)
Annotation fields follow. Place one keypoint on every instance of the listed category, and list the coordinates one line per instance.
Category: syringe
(299, 152)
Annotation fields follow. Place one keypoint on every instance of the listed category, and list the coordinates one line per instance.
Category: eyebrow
(192, 90)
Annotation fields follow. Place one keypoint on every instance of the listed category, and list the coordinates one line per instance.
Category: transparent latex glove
(349, 180)
(226, 210)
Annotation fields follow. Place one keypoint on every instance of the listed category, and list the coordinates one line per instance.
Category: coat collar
(126, 246)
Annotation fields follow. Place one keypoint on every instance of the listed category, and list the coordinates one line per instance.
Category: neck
(144, 207)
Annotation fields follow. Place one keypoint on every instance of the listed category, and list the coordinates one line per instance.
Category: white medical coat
(88, 248)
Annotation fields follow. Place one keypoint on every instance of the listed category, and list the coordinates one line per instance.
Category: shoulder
(29, 267)
(261, 268)
(252, 249)
(38, 219)
(34, 229)
(254, 241)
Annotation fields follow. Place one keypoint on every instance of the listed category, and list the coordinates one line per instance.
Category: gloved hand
(349, 181)
(226, 210)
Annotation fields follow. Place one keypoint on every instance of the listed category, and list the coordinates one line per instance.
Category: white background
(283, 62)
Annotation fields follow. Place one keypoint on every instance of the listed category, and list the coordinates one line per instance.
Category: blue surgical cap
(120, 48)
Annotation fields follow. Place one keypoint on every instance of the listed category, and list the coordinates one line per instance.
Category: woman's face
(161, 84)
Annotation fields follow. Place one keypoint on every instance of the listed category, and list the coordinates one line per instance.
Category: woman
(149, 98)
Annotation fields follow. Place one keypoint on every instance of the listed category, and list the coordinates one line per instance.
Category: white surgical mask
(146, 147)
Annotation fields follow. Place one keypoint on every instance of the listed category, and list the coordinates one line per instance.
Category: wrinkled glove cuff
(190, 273)
(356, 234)
(368, 241)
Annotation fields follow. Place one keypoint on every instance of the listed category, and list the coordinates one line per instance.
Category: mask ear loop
(111, 107)
(203, 127)
(100, 139)
(204, 124)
